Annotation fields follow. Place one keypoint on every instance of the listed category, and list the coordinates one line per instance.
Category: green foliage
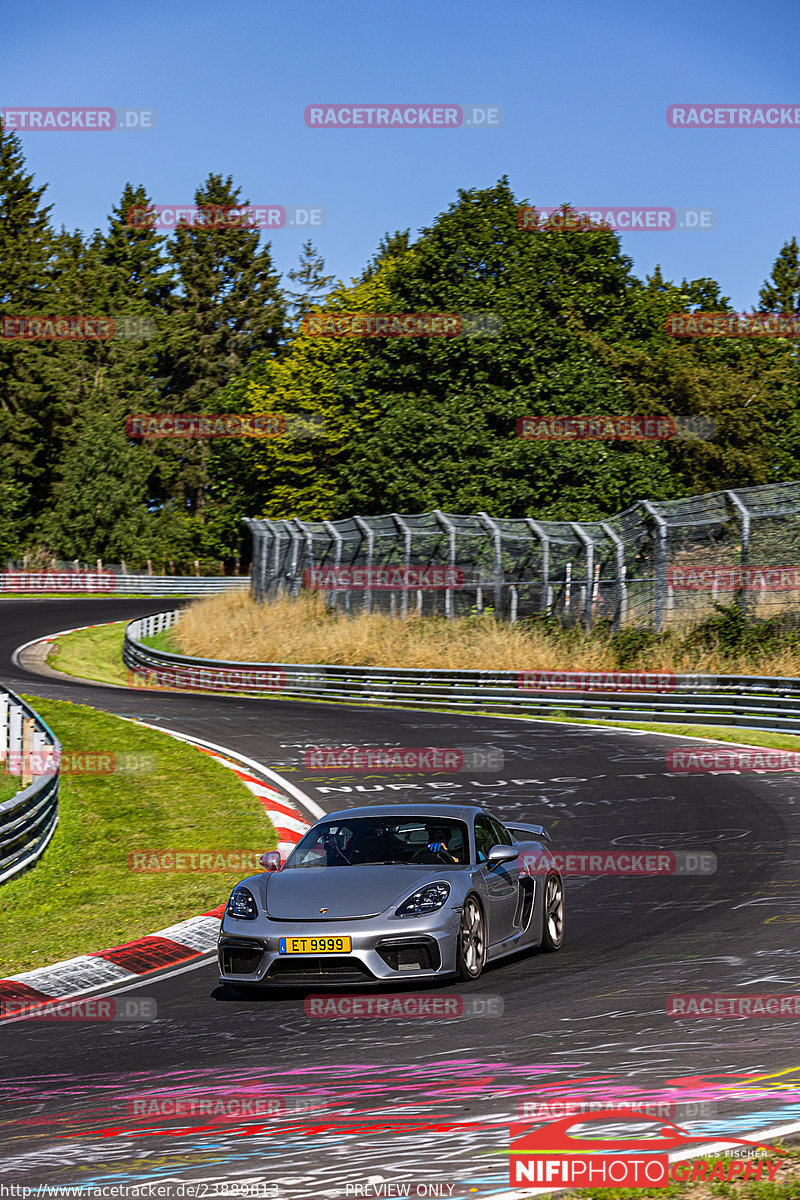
(376, 425)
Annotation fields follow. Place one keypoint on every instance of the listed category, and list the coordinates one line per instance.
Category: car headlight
(242, 904)
(425, 900)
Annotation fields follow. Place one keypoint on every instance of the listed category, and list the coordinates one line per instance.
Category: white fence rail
(29, 756)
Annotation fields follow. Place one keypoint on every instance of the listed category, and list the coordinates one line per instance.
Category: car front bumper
(384, 949)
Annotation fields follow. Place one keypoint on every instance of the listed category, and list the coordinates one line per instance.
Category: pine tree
(781, 292)
(100, 497)
(230, 307)
(25, 288)
(314, 283)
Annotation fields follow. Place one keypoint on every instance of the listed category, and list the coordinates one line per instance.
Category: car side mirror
(502, 854)
(271, 860)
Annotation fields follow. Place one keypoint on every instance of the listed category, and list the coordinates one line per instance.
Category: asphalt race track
(346, 1102)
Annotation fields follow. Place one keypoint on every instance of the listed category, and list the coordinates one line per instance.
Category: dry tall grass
(232, 626)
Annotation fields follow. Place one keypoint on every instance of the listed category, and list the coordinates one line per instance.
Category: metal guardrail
(27, 820)
(108, 584)
(750, 701)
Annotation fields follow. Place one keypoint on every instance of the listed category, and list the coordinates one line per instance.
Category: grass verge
(82, 896)
(94, 653)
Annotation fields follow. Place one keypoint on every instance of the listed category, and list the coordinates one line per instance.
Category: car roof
(411, 808)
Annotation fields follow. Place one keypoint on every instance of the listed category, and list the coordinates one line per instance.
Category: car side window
(484, 838)
(501, 835)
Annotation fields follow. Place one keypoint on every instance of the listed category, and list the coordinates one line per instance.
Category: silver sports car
(372, 895)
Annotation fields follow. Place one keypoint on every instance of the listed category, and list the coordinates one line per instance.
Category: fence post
(536, 528)
(661, 563)
(369, 534)
(619, 579)
(336, 538)
(450, 529)
(406, 532)
(744, 515)
(587, 599)
(494, 529)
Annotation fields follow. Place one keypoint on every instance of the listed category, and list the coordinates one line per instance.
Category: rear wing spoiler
(528, 830)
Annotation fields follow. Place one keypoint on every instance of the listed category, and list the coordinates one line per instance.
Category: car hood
(363, 891)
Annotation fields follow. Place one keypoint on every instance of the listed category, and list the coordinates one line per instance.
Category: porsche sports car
(371, 895)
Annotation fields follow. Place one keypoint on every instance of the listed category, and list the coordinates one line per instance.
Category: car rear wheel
(471, 952)
(553, 919)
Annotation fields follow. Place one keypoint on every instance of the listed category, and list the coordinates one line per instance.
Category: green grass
(92, 653)
(9, 785)
(162, 641)
(81, 896)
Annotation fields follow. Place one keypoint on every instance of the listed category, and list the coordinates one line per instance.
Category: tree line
(552, 323)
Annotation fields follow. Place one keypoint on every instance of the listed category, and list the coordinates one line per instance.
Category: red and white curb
(185, 942)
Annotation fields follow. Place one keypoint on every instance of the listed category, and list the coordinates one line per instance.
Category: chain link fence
(657, 564)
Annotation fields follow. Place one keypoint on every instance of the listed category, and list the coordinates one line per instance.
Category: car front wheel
(471, 940)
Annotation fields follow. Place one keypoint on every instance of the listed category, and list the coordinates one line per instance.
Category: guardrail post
(14, 739)
(26, 773)
(369, 534)
(5, 701)
(587, 599)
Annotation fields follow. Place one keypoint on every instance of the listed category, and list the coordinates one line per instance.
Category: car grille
(408, 955)
(322, 966)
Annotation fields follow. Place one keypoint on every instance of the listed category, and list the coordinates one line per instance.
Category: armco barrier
(750, 701)
(107, 584)
(28, 820)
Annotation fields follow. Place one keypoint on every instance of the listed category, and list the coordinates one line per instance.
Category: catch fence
(657, 564)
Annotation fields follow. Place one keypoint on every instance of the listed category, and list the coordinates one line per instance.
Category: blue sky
(583, 86)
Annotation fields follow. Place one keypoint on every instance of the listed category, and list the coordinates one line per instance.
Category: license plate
(314, 945)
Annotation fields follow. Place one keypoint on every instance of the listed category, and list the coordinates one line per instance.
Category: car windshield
(427, 841)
